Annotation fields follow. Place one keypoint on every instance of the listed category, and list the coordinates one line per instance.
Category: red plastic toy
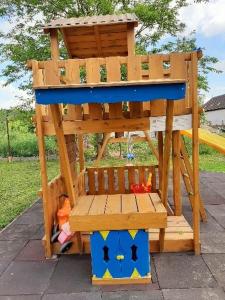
(142, 188)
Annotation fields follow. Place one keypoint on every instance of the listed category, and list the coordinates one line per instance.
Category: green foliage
(25, 39)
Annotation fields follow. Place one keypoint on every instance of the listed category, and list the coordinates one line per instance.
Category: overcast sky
(209, 22)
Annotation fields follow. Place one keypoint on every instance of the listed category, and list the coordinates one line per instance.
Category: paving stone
(151, 295)
(30, 217)
(210, 195)
(182, 271)
(19, 232)
(129, 287)
(9, 249)
(216, 264)
(73, 296)
(218, 213)
(72, 275)
(213, 242)
(34, 250)
(3, 266)
(22, 297)
(194, 294)
(40, 233)
(22, 278)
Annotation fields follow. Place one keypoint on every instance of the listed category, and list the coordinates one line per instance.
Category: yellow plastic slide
(206, 137)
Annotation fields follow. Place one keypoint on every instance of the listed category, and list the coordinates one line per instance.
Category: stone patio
(25, 274)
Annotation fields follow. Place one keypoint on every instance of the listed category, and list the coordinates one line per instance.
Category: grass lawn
(19, 184)
(20, 181)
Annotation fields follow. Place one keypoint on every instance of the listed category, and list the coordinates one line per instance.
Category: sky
(206, 19)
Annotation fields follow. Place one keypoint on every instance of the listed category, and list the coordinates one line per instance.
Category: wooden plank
(131, 176)
(141, 174)
(114, 74)
(98, 205)
(157, 203)
(111, 183)
(156, 72)
(81, 151)
(91, 181)
(160, 151)
(113, 205)
(54, 44)
(116, 281)
(83, 205)
(144, 203)
(176, 172)
(129, 204)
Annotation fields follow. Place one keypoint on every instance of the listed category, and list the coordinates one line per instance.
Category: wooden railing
(116, 69)
(113, 180)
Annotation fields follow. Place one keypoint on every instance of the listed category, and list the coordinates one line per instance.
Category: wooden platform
(117, 212)
(178, 238)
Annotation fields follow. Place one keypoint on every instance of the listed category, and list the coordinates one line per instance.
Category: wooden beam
(105, 142)
(151, 146)
(64, 159)
(130, 39)
(81, 151)
(176, 173)
(160, 151)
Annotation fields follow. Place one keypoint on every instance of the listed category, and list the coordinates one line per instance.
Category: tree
(25, 40)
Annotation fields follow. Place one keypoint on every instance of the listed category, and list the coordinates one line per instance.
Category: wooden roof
(96, 36)
(91, 21)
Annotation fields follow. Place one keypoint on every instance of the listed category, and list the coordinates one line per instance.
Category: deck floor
(119, 211)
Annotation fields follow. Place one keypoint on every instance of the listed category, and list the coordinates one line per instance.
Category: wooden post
(130, 39)
(176, 173)
(166, 162)
(160, 150)
(44, 182)
(54, 44)
(81, 151)
(195, 153)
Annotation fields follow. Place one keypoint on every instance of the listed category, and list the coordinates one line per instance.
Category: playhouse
(86, 94)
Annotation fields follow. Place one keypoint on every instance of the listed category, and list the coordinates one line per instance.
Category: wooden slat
(101, 181)
(91, 181)
(98, 205)
(121, 180)
(144, 203)
(93, 76)
(178, 69)
(113, 205)
(131, 176)
(129, 204)
(141, 175)
(134, 73)
(156, 72)
(111, 183)
(114, 74)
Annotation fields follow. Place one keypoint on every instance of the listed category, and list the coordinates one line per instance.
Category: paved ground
(25, 274)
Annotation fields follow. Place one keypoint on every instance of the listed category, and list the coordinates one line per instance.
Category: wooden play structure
(86, 94)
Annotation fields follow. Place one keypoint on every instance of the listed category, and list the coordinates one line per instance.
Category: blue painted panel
(111, 94)
(120, 243)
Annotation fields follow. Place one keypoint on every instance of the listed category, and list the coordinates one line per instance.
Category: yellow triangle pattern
(133, 233)
(135, 274)
(104, 234)
(107, 275)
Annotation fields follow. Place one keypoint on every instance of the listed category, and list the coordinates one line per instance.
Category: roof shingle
(215, 103)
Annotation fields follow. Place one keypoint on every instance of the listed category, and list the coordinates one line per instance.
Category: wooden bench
(118, 212)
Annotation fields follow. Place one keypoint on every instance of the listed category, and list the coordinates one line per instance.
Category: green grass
(20, 182)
